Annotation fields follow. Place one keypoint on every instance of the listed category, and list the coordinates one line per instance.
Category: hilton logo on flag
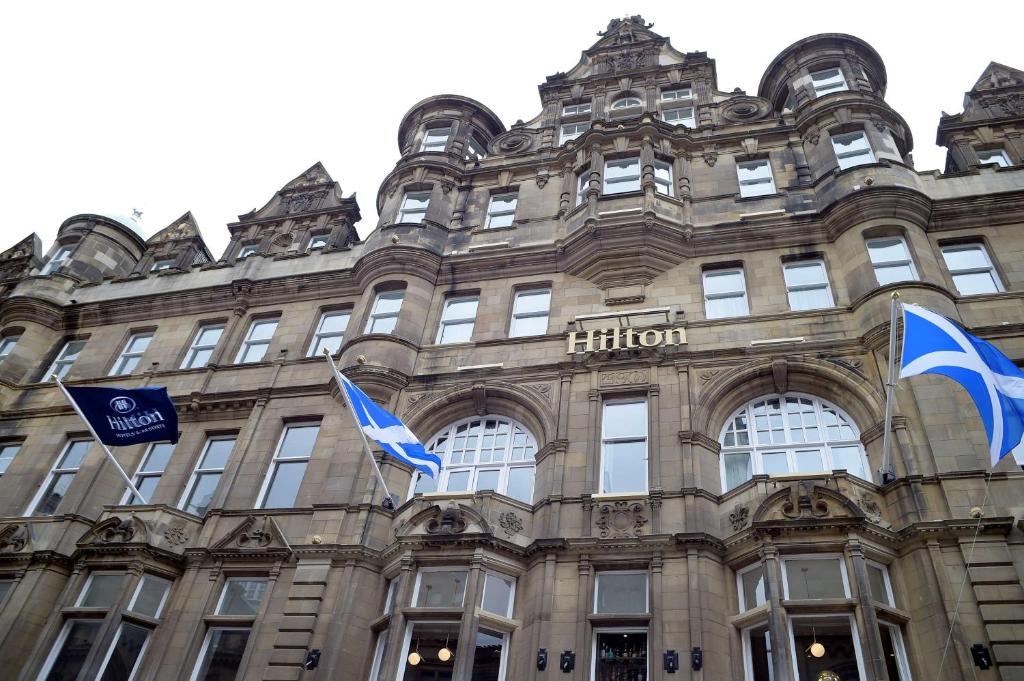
(122, 416)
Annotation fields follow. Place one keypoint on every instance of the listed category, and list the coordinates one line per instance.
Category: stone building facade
(645, 330)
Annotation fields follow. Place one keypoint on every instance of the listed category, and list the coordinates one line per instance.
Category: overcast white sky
(213, 106)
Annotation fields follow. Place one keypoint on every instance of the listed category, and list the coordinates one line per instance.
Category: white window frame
(677, 94)
(736, 293)
(127, 354)
(407, 639)
(198, 472)
(320, 335)
(4, 447)
(741, 599)
(161, 265)
(246, 250)
(376, 316)
(631, 182)
(449, 303)
(990, 269)
(7, 344)
(748, 653)
(511, 595)
(57, 260)
(824, 83)
(570, 131)
(886, 580)
(317, 241)
(663, 178)
(195, 348)
(56, 470)
(851, 159)
(413, 215)
(492, 212)
(378, 655)
(447, 568)
(619, 630)
(206, 645)
(854, 636)
(516, 316)
(996, 156)
(899, 647)
(113, 645)
(163, 599)
(434, 141)
(827, 286)
(276, 460)
(647, 591)
(627, 102)
(907, 261)
(646, 440)
(139, 475)
(685, 116)
(815, 556)
(61, 365)
(248, 342)
(475, 149)
(578, 109)
(756, 186)
(55, 649)
(582, 186)
(88, 584)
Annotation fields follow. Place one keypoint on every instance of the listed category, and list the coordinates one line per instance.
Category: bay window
(663, 177)
(224, 646)
(384, 315)
(828, 80)
(852, 149)
(622, 175)
(681, 115)
(621, 592)
(414, 207)
(436, 139)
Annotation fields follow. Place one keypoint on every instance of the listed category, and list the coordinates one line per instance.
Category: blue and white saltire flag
(933, 344)
(388, 431)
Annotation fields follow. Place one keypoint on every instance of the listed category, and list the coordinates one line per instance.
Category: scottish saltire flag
(933, 344)
(388, 431)
(128, 416)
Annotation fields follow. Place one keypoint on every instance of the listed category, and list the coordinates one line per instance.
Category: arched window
(626, 103)
(781, 434)
(480, 453)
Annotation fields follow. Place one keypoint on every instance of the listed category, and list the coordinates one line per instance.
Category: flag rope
(963, 582)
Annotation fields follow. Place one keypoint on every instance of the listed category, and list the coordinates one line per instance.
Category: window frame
(840, 558)
(163, 264)
(444, 322)
(582, 187)
(663, 96)
(57, 260)
(626, 102)
(113, 645)
(578, 128)
(475, 149)
(516, 316)
(56, 469)
(510, 609)
(793, 264)
(375, 316)
(140, 475)
(276, 460)
(58, 645)
(630, 181)
(646, 440)
(886, 580)
(750, 188)
(198, 472)
(513, 197)
(319, 335)
(579, 109)
(617, 630)
(405, 211)
(827, 85)
(163, 599)
(318, 241)
(194, 676)
(247, 250)
(444, 568)
(843, 158)
(597, 591)
(907, 261)
(435, 147)
(126, 355)
(4, 446)
(61, 365)
(660, 183)
(990, 270)
(899, 647)
(248, 342)
(741, 598)
(999, 157)
(748, 651)
(720, 271)
(854, 636)
(195, 348)
(7, 345)
(685, 116)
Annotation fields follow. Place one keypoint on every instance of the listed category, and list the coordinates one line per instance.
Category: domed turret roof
(125, 221)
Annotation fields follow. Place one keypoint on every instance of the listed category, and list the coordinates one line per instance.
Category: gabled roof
(998, 75)
(312, 191)
(184, 228)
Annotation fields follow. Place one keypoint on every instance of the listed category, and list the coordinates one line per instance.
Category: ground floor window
(826, 644)
(432, 647)
(620, 655)
(895, 654)
(222, 654)
(757, 649)
(68, 656)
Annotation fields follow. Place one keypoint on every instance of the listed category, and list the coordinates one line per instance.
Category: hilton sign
(617, 338)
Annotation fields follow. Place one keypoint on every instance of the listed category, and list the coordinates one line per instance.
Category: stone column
(778, 622)
(656, 633)
(871, 639)
(394, 652)
(696, 603)
(584, 606)
(463, 666)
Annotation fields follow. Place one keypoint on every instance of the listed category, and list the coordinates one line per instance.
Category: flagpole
(888, 474)
(110, 455)
(388, 502)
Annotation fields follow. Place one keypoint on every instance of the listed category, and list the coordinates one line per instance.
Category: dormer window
(852, 149)
(475, 149)
(676, 94)
(682, 115)
(161, 265)
(58, 259)
(576, 109)
(571, 131)
(247, 250)
(828, 80)
(626, 103)
(996, 156)
(436, 139)
(318, 241)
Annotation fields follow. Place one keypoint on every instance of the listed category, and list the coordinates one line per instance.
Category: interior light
(817, 650)
(444, 654)
(415, 658)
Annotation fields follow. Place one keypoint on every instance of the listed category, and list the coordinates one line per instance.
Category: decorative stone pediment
(439, 522)
(253, 535)
(17, 260)
(115, 530)
(14, 538)
(617, 519)
(803, 500)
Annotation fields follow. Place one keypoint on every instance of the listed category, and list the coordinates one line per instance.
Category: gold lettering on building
(617, 338)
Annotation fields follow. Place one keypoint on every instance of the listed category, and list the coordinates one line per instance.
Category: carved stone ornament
(710, 157)
(122, 532)
(541, 180)
(515, 141)
(626, 377)
(745, 108)
(739, 517)
(871, 509)
(256, 537)
(626, 61)
(448, 521)
(542, 389)
(13, 538)
(621, 519)
(176, 536)
(801, 504)
(511, 523)
(709, 374)
(812, 136)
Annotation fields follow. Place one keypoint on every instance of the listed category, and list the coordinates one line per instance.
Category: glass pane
(487, 656)
(202, 493)
(385, 325)
(441, 589)
(530, 326)
(334, 323)
(621, 592)
(775, 463)
(625, 419)
(284, 486)
(69, 661)
(876, 583)
(810, 299)
(753, 588)
(505, 220)
(263, 330)
(887, 250)
(814, 578)
(75, 453)
(217, 453)
(461, 332)
(415, 201)
(840, 655)
(464, 308)
(428, 640)
(533, 301)
(737, 469)
(102, 591)
(852, 143)
(761, 654)
(723, 281)
(150, 596)
(157, 459)
(254, 352)
(755, 170)
(621, 169)
(147, 485)
(487, 479)
(199, 359)
(504, 203)
(804, 274)
(887, 274)
(851, 459)
(625, 467)
(730, 306)
(51, 499)
(389, 302)
(809, 461)
(223, 655)
(975, 283)
(893, 653)
(621, 656)
(965, 258)
(424, 484)
(242, 596)
(520, 484)
(298, 441)
(330, 343)
(209, 335)
(125, 654)
(458, 481)
(497, 596)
